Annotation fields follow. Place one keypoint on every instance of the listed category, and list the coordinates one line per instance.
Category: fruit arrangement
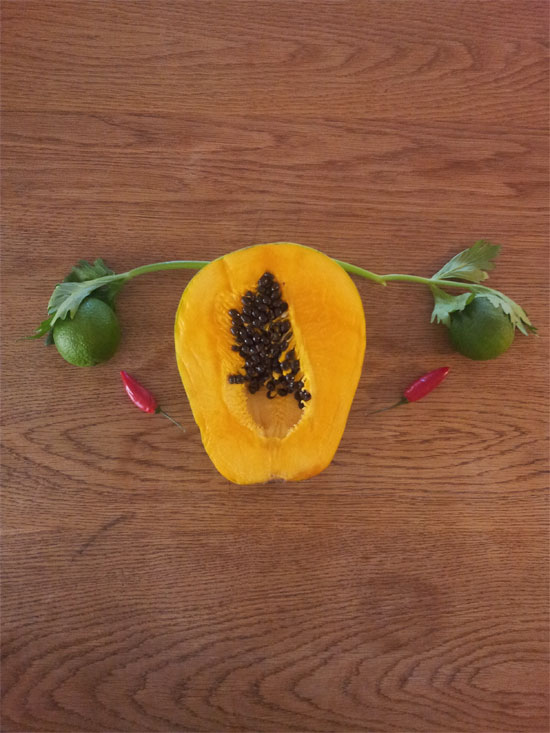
(270, 341)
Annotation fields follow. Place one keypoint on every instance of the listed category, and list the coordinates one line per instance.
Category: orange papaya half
(270, 341)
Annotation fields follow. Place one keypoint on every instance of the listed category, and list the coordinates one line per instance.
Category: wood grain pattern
(405, 589)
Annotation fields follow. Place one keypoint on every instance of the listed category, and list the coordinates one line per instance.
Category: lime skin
(91, 337)
(481, 331)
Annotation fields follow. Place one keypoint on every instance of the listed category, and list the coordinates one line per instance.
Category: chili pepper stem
(160, 411)
(402, 401)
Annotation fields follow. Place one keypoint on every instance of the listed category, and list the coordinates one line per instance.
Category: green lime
(89, 338)
(481, 331)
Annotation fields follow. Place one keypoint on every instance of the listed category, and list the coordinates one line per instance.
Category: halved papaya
(270, 341)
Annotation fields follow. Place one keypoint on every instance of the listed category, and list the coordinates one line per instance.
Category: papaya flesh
(270, 342)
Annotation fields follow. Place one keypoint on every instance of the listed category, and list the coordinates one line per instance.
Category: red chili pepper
(142, 398)
(424, 385)
(420, 388)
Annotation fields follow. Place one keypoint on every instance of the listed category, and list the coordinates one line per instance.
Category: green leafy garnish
(67, 297)
(471, 264)
(84, 272)
(445, 304)
(513, 310)
(83, 279)
(42, 329)
(464, 272)
(86, 278)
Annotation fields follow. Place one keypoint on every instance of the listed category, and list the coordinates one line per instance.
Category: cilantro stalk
(169, 265)
(85, 279)
(466, 271)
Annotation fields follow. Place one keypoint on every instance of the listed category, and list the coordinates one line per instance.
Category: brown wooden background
(404, 589)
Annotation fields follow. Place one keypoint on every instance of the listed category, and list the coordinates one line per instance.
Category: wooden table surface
(405, 588)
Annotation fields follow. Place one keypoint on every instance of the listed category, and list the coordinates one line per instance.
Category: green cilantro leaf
(471, 264)
(445, 304)
(67, 296)
(82, 280)
(42, 329)
(84, 272)
(515, 312)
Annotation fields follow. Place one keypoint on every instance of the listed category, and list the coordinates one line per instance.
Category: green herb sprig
(473, 265)
(466, 270)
